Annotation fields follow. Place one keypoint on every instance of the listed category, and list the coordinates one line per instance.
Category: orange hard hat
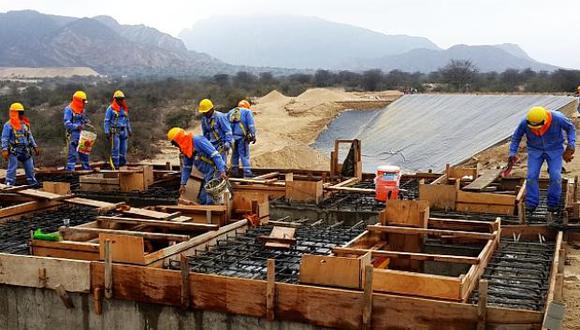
(244, 104)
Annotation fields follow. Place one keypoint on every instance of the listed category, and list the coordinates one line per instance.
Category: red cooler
(387, 182)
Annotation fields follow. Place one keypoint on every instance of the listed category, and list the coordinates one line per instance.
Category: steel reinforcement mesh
(518, 274)
(15, 233)
(245, 256)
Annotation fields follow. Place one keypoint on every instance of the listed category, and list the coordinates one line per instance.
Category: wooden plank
(432, 232)
(405, 213)
(344, 272)
(351, 189)
(27, 207)
(440, 196)
(267, 182)
(368, 297)
(23, 270)
(99, 180)
(108, 269)
(71, 231)
(304, 191)
(159, 223)
(64, 296)
(59, 188)
(39, 194)
(123, 248)
(98, 300)
(146, 213)
(485, 208)
(473, 275)
(485, 198)
(267, 176)
(271, 290)
(484, 180)
(79, 246)
(278, 235)
(89, 202)
(459, 224)
(347, 182)
(185, 289)
(408, 255)
(482, 305)
(417, 284)
(553, 272)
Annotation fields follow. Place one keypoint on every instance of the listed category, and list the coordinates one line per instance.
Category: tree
(222, 79)
(323, 78)
(371, 80)
(459, 74)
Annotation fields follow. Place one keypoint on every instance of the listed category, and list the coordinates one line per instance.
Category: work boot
(553, 209)
(530, 210)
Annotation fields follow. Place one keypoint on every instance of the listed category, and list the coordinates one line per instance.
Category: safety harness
(26, 146)
(236, 117)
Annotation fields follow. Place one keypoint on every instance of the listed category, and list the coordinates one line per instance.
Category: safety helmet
(244, 104)
(174, 132)
(205, 105)
(537, 117)
(16, 107)
(80, 95)
(119, 94)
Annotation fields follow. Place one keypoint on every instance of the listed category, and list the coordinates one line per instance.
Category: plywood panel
(335, 271)
(440, 196)
(485, 198)
(417, 284)
(406, 213)
(128, 249)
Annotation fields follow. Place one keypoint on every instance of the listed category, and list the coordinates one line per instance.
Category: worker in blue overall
(75, 121)
(118, 129)
(18, 144)
(545, 132)
(578, 95)
(199, 152)
(216, 128)
(244, 133)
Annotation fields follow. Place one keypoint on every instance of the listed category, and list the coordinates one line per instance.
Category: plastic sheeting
(422, 132)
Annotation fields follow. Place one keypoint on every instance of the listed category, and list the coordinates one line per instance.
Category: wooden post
(42, 278)
(368, 298)
(64, 296)
(482, 305)
(108, 270)
(98, 300)
(271, 290)
(185, 301)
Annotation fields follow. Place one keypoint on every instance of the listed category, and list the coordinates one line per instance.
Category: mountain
(486, 58)
(32, 39)
(293, 41)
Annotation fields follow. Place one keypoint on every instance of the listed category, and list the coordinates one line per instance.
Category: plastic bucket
(86, 142)
(387, 181)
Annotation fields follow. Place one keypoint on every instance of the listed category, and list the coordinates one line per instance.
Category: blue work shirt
(217, 129)
(205, 158)
(17, 138)
(74, 122)
(119, 121)
(242, 122)
(551, 141)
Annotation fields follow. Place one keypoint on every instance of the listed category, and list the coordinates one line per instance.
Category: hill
(293, 41)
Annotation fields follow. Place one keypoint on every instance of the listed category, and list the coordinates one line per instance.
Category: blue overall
(242, 121)
(549, 147)
(218, 131)
(119, 128)
(18, 143)
(74, 124)
(208, 161)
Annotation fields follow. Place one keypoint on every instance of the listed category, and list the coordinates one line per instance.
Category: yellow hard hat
(173, 133)
(80, 95)
(205, 105)
(119, 94)
(16, 107)
(537, 117)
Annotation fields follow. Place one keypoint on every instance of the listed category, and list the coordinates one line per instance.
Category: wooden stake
(482, 305)
(271, 290)
(185, 301)
(108, 270)
(98, 300)
(368, 298)
(42, 278)
(64, 296)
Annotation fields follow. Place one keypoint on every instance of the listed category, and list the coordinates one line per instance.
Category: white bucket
(86, 142)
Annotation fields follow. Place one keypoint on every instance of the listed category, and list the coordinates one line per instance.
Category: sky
(548, 30)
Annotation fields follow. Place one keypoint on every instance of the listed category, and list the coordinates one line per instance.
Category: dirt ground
(66, 72)
(288, 125)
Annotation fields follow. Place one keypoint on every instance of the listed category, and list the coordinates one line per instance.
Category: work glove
(512, 160)
(223, 176)
(5, 154)
(568, 154)
(182, 189)
(252, 139)
(36, 151)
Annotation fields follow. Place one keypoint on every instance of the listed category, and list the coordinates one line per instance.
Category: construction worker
(216, 128)
(199, 152)
(18, 144)
(244, 132)
(74, 121)
(578, 94)
(118, 128)
(545, 131)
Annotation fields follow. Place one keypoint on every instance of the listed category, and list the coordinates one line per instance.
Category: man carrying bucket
(118, 129)
(18, 144)
(75, 121)
(199, 152)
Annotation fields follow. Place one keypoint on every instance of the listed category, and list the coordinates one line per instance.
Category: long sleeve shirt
(205, 158)
(242, 122)
(73, 122)
(217, 129)
(551, 140)
(12, 137)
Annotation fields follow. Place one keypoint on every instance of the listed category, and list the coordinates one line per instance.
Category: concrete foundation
(30, 309)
